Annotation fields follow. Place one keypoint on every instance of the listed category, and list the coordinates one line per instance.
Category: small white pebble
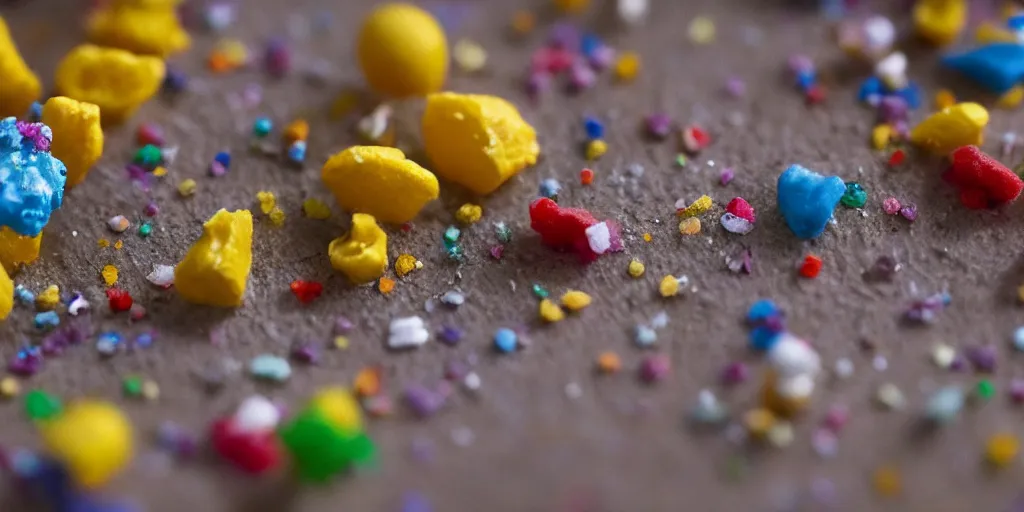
(256, 414)
(844, 368)
(890, 397)
(471, 381)
(943, 355)
(880, 363)
(573, 390)
(407, 332)
(599, 237)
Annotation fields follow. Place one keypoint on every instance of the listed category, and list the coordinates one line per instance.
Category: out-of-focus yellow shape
(477, 141)
(1012, 98)
(962, 124)
(139, 28)
(19, 86)
(77, 135)
(940, 21)
(216, 269)
(339, 407)
(16, 250)
(6, 294)
(379, 181)
(362, 254)
(403, 51)
(92, 438)
(116, 80)
(572, 6)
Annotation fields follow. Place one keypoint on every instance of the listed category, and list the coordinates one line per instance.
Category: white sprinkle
(844, 368)
(407, 332)
(943, 355)
(880, 363)
(890, 397)
(573, 390)
(599, 237)
(256, 414)
(471, 381)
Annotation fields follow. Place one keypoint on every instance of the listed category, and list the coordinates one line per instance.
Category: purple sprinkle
(450, 335)
(425, 402)
(497, 251)
(415, 502)
(305, 353)
(735, 373)
(892, 108)
(799, 63)
(735, 87)
(151, 210)
(728, 174)
(958, 364)
(601, 58)
(982, 357)
(891, 206)
(1017, 391)
(909, 212)
(28, 361)
(581, 77)
(342, 325)
(655, 368)
(658, 125)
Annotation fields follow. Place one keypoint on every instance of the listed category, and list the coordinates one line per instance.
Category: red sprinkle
(586, 177)
(983, 182)
(252, 452)
(306, 291)
(149, 133)
(897, 158)
(815, 95)
(119, 300)
(741, 208)
(695, 139)
(563, 228)
(811, 266)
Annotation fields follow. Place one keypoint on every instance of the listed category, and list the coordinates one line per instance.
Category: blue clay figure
(31, 180)
(807, 200)
(997, 67)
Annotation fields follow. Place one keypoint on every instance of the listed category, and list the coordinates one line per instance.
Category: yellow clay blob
(16, 250)
(403, 51)
(1012, 99)
(1001, 449)
(379, 181)
(115, 80)
(142, 29)
(339, 407)
(362, 254)
(477, 141)
(575, 300)
(880, 136)
(6, 294)
(48, 299)
(940, 21)
(405, 263)
(93, 439)
(962, 124)
(77, 135)
(989, 32)
(20, 85)
(215, 270)
(469, 213)
(549, 311)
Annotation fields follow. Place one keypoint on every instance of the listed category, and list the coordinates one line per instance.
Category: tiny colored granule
(811, 266)
(897, 158)
(103, 243)
(609, 362)
(647, 237)
(891, 206)
(669, 286)
(636, 268)
(881, 135)
(367, 382)
(469, 213)
(689, 226)
(118, 245)
(596, 149)
(887, 481)
(701, 205)
(702, 30)
(340, 342)
(109, 274)
(187, 187)
(160, 171)
(1001, 449)
(575, 300)
(9, 387)
(469, 56)
(523, 22)
(386, 285)
(316, 209)
(759, 422)
(48, 299)
(627, 66)
(145, 229)
(944, 99)
(295, 131)
(404, 264)
(277, 216)
(549, 311)
(306, 291)
(267, 201)
(586, 177)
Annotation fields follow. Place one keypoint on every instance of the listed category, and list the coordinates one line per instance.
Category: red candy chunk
(563, 228)
(119, 300)
(252, 452)
(695, 139)
(742, 209)
(306, 291)
(983, 182)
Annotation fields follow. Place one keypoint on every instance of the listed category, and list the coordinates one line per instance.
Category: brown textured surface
(622, 446)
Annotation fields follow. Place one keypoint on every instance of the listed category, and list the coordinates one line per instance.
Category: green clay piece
(41, 405)
(855, 196)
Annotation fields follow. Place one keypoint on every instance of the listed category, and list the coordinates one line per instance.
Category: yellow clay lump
(77, 135)
(115, 80)
(215, 270)
(962, 124)
(142, 27)
(940, 21)
(362, 254)
(379, 181)
(92, 439)
(6, 294)
(403, 51)
(20, 86)
(17, 250)
(477, 141)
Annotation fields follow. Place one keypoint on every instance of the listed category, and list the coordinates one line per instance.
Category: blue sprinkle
(762, 310)
(269, 366)
(763, 338)
(175, 81)
(262, 127)
(505, 340)
(589, 44)
(47, 320)
(1018, 339)
(945, 404)
(644, 336)
(805, 79)
(1015, 23)
(595, 130)
(297, 152)
(998, 66)
(108, 343)
(35, 112)
(223, 158)
(807, 199)
(871, 87)
(24, 295)
(550, 188)
(144, 340)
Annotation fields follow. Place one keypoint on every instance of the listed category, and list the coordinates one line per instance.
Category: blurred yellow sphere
(92, 438)
(403, 51)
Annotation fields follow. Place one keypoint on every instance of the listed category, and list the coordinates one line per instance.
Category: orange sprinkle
(103, 243)
(647, 237)
(219, 62)
(295, 131)
(386, 285)
(118, 245)
(609, 362)
(944, 98)
(523, 22)
(367, 381)
(586, 176)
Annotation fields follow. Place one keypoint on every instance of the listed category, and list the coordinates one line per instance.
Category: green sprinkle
(132, 386)
(539, 291)
(986, 389)
(503, 232)
(145, 229)
(455, 252)
(148, 156)
(41, 405)
(855, 196)
(451, 235)
(681, 160)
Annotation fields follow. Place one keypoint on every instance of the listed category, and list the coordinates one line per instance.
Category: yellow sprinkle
(550, 312)
(267, 201)
(1001, 449)
(316, 209)
(187, 187)
(469, 213)
(340, 342)
(627, 66)
(702, 30)
(118, 245)
(9, 387)
(469, 56)
(669, 286)
(647, 237)
(48, 299)
(109, 274)
(636, 268)
(386, 285)
(277, 217)
(404, 264)
(596, 149)
(880, 136)
(575, 300)
(701, 205)
(103, 243)
(160, 171)
(1012, 99)
(690, 226)
(758, 422)
(887, 481)
(150, 390)
(944, 99)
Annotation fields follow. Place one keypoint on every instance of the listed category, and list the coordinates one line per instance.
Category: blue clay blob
(31, 180)
(911, 94)
(997, 67)
(807, 200)
(870, 87)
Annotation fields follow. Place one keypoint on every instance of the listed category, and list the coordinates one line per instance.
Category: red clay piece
(252, 452)
(563, 229)
(741, 208)
(119, 300)
(811, 266)
(306, 291)
(983, 182)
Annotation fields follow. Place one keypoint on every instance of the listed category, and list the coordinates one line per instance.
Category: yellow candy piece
(92, 438)
(77, 135)
(115, 80)
(469, 213)
(109, 274)
(596, 149)
(940, 21)
(141, 29)
(962, 124)
(627, 66)
(575, 300)
(403, 51)
(669, 286)
(701, 205)
(16, 250)
(636, 269)
(1001, 449)
(477, 141)
(215, 270)
(880, 136)
(277, 216)
(267, 201)
(887, 481)
(759, 421)
(20, 85)
(339, 407)
(187, 187)
(48, 299)
(6, 294)
(379, 181)
(404, 264)
(550, 312)
(316, 209)
(9, 387)
(1012, 99)
(689, 226)
(362, 254)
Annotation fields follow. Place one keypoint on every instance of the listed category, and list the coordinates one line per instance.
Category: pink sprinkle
(727, 176)
(891, 206)
(735, 87)
(497, 251)
(837, 417)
